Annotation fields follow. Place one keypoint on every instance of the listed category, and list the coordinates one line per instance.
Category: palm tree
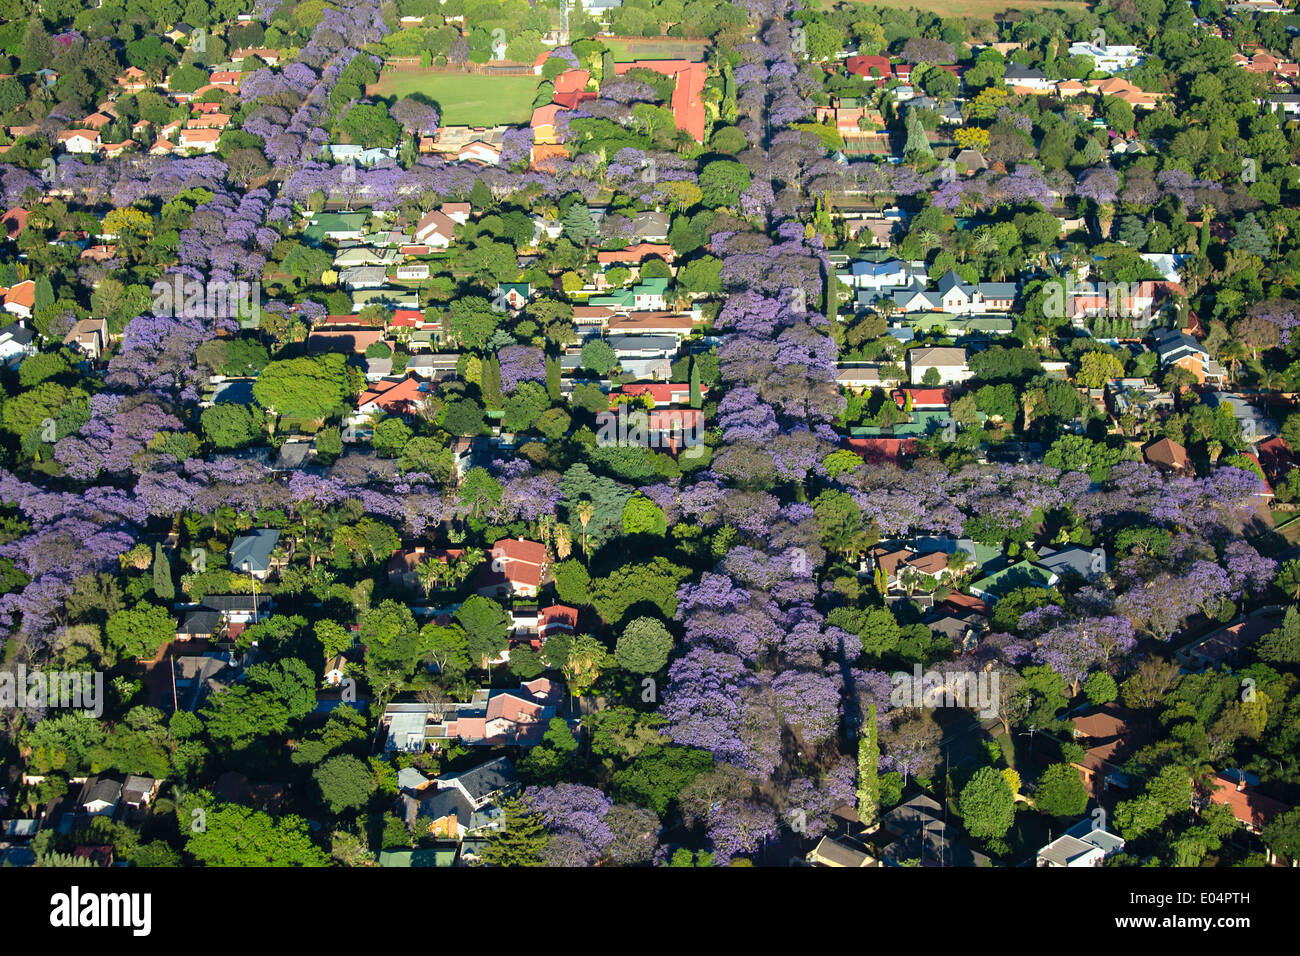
(430, 573)
(586, 511)
(960, 563)
(1232, 353)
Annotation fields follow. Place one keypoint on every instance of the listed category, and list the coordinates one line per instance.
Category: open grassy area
(628, 51)
(975, 9)
(464, 99)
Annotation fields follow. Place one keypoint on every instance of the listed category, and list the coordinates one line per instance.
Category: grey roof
(235, 602)
(640, 343)
(252, 551)
(238, 392)
(1018, 71)
(137, 788)
(436, 804)
(485, 779)
(1075, 560)
(1064, 850)
(19, 333)
(200, 623)
(408, 778)
(1173, 342)
(101, 788)
(293, 454)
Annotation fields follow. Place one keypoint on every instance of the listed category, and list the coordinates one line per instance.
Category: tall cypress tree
(697, 395)
(869, 770)
(163, 586)
(553, 378)
(492, 382)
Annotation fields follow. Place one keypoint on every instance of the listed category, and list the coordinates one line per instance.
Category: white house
(950, 363)
(1080, 846)
(1110, 59)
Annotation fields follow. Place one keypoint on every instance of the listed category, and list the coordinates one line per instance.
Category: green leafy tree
(869, 770)
(164, 588)
(1061, 792)
(987, 805)
(344, 782)
(138, 632)
(644, 646)
(240, 836)
(521, 839)
(486, 625)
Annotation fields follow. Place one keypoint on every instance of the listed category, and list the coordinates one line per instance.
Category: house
(79, 140)
(513, 294)
(139, 791)
(251, 553)
(875, 66)
(646, 356)
(492, 717)
(1167, 455)
(1252, 809)
(338, 226)
(516, 568)
(1027, 77)
(100, 796)
(1254, 421)
(1134, 96)
(14, 222)
(1086, 563)
(650, 226)
(687, 102)
(238, 608)
(389, 298)
(922, 835)
(20, 298)
(635, 255)
(891, 274)
(134, 80)
(1175, 347)
(458, 804)
(199, 140)
(401, 399)
(949, 363)
(1226, 645)
(1022, 574)
(1109, 58)
(16, 343)
(436, 230)
(1108, 738)
(401, 567)
(363, 277)
(413, 272)
(832, 852)
(1083, 845)
(199, 625)
(89, 336)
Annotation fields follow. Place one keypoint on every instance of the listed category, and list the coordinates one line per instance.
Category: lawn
(464, 99)
(628, 51)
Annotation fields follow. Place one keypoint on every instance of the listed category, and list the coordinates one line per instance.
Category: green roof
(656, 286)
(327, 222)
(1023, 574)
(624, 298)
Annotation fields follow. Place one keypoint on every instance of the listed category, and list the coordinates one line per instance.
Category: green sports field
(464, 99)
